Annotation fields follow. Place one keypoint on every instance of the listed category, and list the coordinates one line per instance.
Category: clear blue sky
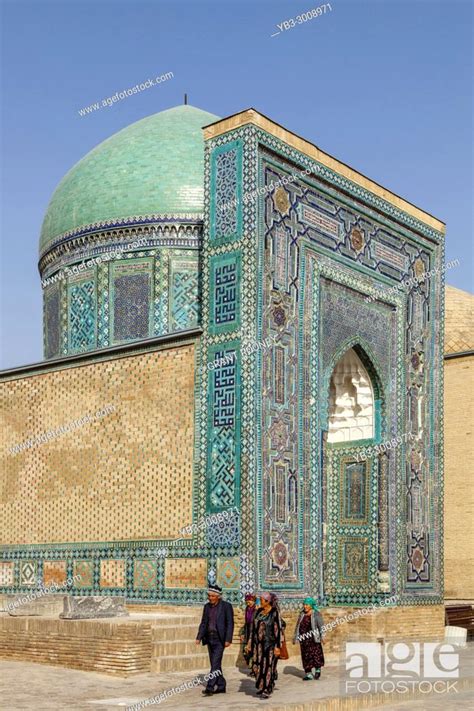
(385, 86)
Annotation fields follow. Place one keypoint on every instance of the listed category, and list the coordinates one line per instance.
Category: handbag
(284, 650)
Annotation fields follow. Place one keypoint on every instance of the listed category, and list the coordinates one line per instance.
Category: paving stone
(48, 688)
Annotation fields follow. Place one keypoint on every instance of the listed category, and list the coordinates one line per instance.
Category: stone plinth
(93, 607)
(119, 646)
(25, 605)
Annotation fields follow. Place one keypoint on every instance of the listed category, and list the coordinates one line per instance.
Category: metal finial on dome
(185, 99)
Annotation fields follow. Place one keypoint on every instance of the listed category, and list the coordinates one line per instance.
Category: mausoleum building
(265, 326)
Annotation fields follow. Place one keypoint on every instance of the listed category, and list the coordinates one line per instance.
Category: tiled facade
(128, 295)
(319, 256)
(311, 261)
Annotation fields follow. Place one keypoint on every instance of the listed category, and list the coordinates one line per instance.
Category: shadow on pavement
(247, 686)
(294, 671)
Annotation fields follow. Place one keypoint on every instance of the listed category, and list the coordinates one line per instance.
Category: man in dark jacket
(216, 630)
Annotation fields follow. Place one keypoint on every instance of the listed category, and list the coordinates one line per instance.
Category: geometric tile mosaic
(131, 290)
(28, 574)
(226, 532)
(353, 564)
(130, 296)
(183, 290)
(82, 317)
(223, 453)
(226, 192)
(224, 296)
(52, 321)
(84, 569)
(228, 573)
(144, 574)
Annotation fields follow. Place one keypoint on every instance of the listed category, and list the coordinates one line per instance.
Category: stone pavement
(463, 700)
(25, 685)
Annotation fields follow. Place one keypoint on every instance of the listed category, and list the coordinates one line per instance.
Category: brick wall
(458, 478)
(126, 475)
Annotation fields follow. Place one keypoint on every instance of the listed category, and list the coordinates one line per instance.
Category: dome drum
(119, 248)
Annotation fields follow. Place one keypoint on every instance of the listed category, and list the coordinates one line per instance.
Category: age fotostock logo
(401, 667)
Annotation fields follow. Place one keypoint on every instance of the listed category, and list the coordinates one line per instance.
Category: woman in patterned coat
(309, 633)
(265, 645)
(247, 630)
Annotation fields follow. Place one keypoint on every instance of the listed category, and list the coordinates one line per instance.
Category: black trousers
(216, 652)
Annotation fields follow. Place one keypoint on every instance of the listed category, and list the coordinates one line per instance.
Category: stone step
(166, 609)
(184, 633)
(164, 633)
(175, 620)
(194, 662)
(180, 646)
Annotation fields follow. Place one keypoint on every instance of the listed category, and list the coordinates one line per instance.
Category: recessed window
(351, 401)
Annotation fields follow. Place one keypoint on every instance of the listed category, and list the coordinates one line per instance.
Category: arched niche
(352, 401)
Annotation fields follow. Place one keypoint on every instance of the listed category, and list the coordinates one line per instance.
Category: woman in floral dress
(266, 644)
(309, 633)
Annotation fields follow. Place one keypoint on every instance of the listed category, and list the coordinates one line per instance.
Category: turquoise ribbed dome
(155, 165)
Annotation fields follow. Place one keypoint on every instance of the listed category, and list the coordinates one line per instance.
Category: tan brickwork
(118, 646)
(7, 571)
(458, 446)
(186, 573)
(458, 478)
(112, 574)
(125, 476)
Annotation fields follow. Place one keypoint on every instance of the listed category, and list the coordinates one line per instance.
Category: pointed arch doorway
(353, 512)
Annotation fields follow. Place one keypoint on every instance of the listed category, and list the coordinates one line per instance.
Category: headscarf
(311, 601)
(271, 617)
(250, 611)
